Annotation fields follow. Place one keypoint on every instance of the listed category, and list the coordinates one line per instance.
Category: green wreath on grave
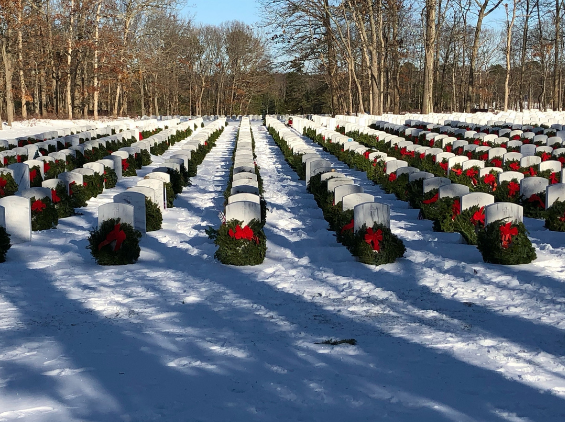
(397, 185)
(239, 245)
(434, 208)
(153, 216)
(176, 180)
(534, 206)
(555, 217)
(35, 178)
(110, 177)
(4, 243)
(171, 195)
(508, 191)
(70, 163)
(8, 185)
(9, 159)
(377, 245)
(415, 193)
(53, 169)
(114, 243)
(90, 184)
(138, 159)
(128, 167)
(43, 214)
(62, 201)
(145, 157)
(506, 244)
(79, 195)
(468, 223)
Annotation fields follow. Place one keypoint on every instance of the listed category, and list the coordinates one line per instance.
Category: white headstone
(370, 213)
(532, 160)
(420, 175)
(117, 164)
(532, 185)
(506, 211)
(124, 212)
(507, 176)
(435, 183)
(238, 197)
(554, 193)
(38, 193)
(351, 200)
(160, 175)
(159, 188)
(338, 181)
(17, 215)
(21, 175)
(137, 200)
(342, 190)
(453, 190)
(478, 199)
(243, 211)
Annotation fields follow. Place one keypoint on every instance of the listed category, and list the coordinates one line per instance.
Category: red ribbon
(515, 166)
(432, 142)
(477, 142)
(561, 159)
(502, 145)
(448, 148)
(18, 159)
(116, 234)
(5, 161)
(471, 173)
(484, 157)
(553, 178)
(455, 209)
(3, 183)
(469, 155)
(32, 174)
(506, 233)
(70, 189)
(562, 218)
(366, 154)
(125, 165)
(242, 233)
(373, 238)
(489, 179)
(535, 198)
(515, 137)
(392, 177)
(496, 162)
(531, 171)
(478, 217)
(54, 197)
(38, 206)
(443, 166)
(348, 226)
(46, 167)
(432, 199)
(545, 156)
(457, 171)
(513, 188)
(140, 136)
(422, 156)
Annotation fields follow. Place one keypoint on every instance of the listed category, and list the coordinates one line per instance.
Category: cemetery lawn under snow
(441, 336)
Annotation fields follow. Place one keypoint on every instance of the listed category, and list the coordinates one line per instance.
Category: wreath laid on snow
(555, 217)
(377, 245)
(114, 243)
(8, 185)
(153, 216)
(110, 178)
(145, 157)
(508, 191)
(534, 206)
(78, 194)
(53, 169)
(4, 243)
(505, 243)
(128, 167)
(238, 244)
(468, 222)
(43, 214)
(171, 195)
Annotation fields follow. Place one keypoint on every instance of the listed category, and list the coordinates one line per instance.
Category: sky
(215, 12)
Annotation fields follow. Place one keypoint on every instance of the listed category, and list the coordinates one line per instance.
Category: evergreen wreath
(8, 185)
(534, 206)
(508, 191)
(469, 222)
(239, 245)
(114, 243)
(377, 245)
(53, 169)
(43, 214)
(555, 217)
(145, 157)
(35, 178)
(110, 178)
(153, 216)
(176, 181)
(128, 167)
(506, 243)
(70, 163)
(79, 195)
(62, 201)
(171, 195)
(4, 243)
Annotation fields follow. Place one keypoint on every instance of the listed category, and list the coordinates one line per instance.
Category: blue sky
(215, 12)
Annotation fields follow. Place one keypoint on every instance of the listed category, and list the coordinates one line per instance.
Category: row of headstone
(244, 201)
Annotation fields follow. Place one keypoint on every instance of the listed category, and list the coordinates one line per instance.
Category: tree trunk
(556, 47)
(8, 72)
(95, 61)
(69, 57)
(510, 24)
(23, 94)
(428, 95)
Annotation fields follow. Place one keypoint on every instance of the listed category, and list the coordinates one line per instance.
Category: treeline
(429, 55)
(85, 58)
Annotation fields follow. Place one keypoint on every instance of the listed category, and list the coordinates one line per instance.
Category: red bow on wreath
(506, 233)
(366, 154)
(484, 157)
(471, 173)
(535, 198)
(531, 171)
(349, 226)
(469, 155)
(496, 162)
(489, 179)
(18, 159)
(455, 209)
(32, 174)
(515, 166)
(553, 179)
(432, 142)
(478, 217)
(422, 156)
(448, 148)
(561, 159)
(243, 233)
(457, 171)
(443, 166)
(54, 197)
(125, 165)
(46, 167)
(116, 234)
(545, 156)
(513, 188)
(432, 199)
(70, 187)
(373, 238)
(392, 177)
(3, 183)
(562, 218)
(38, 206)
(5, 161)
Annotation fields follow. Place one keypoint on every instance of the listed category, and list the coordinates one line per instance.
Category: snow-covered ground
(441, 336)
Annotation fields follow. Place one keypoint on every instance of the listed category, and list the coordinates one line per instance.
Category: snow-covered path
(180, 337)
